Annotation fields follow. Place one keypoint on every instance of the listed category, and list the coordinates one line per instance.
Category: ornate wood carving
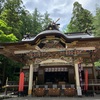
(51, 43)
(52, 49)
(46, 54)
(68, 60)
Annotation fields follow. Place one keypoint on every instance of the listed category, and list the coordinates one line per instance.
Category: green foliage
(26, 19)
(7, 38)
(4, 28)
(11, 15)
(6, 65)
(40, 22)
(3, 25)
(9, 68)
(96, 22)
(1, 32)
(37, 21)
(46, 20)
(20, 21)
(97, 63)
(81, 19)
(34, 23)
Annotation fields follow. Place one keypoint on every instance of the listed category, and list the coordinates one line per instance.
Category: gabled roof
(67, 37)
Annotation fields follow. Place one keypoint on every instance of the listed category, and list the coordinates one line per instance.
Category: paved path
(55, 98)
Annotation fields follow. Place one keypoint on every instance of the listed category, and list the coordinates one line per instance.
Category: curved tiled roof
(67, 37)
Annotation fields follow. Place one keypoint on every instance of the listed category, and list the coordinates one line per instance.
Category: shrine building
(53, 59)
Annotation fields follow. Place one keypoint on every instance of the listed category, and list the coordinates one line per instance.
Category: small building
(54, 59)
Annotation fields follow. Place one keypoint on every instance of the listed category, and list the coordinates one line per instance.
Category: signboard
(59, 69)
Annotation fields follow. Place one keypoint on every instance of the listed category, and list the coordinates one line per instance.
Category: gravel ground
(54, 98)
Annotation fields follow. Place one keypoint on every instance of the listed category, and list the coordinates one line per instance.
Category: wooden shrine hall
(55, 63)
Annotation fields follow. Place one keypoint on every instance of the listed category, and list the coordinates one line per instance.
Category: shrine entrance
(55, 73)
(59, 75)
(56, 77)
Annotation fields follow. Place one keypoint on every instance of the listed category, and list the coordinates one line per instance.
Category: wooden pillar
(30, 79)
(78, 87)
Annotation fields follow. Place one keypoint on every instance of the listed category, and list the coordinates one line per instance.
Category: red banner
(86, 80)
(21, 82)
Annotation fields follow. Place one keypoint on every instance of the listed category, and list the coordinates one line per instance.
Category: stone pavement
(55, 98)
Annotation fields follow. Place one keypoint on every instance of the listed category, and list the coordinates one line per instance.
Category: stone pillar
(78, 87)
(30, 79)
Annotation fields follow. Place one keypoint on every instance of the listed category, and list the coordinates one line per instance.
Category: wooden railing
(12, 83)
(15, 83)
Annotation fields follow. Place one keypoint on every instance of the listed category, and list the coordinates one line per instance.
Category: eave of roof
(55, 33)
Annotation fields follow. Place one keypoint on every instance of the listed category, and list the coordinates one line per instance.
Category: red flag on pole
(21, 82)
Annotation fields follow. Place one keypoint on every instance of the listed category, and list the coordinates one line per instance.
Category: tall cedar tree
(37, 21)
(81, 20)
(96, 22)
